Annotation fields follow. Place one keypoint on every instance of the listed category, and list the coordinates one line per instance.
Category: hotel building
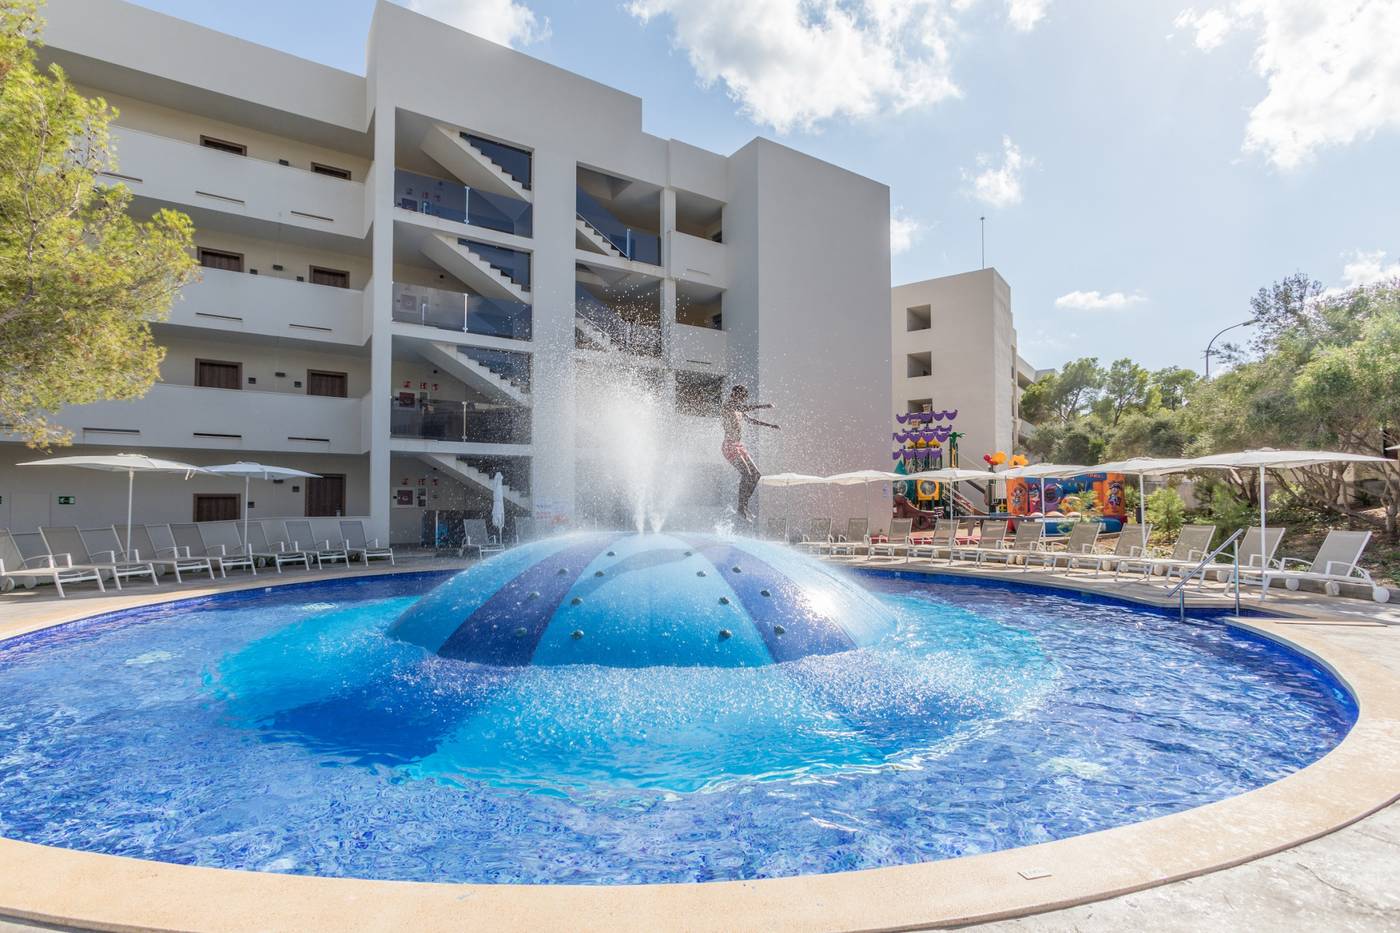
(414, 279)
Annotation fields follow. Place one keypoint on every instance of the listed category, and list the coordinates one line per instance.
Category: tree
(1174, 385)
(1124, 388)
(80, 279)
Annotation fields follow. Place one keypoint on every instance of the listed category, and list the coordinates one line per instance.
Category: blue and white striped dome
(626, 600)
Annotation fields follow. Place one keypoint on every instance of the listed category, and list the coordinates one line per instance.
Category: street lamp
(1217, 337)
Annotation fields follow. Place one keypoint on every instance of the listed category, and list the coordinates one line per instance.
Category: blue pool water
(282, 731)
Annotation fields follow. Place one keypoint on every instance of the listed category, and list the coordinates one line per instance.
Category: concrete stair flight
(591, 238)
(449, 358)
(469, 475)
(476, 272)
(447, 147)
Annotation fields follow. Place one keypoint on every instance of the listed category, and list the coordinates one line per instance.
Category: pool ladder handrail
(1179, 591)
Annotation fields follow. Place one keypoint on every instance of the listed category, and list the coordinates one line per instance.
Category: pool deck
(1319, 849)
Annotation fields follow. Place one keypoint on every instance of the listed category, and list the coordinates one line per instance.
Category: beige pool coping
(1357, 778)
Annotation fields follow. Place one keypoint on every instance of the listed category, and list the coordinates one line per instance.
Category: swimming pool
(281, 731)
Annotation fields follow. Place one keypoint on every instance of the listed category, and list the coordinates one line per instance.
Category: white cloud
(502, 21)
(1366, 268)
(1210, 27)
(1000, 185)
(1025, 14)
(904, 231)
(792, 64)
(1095, 301)
(1332, 68)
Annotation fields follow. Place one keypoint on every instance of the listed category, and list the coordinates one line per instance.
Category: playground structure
(924, 441)
(1090, 495)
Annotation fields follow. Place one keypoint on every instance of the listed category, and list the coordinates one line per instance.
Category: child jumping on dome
(736, 412)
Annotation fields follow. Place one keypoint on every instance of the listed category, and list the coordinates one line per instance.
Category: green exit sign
(67, 500)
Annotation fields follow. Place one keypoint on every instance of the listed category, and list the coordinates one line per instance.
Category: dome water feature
(645, 600)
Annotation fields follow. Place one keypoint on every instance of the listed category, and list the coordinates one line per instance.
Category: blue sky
(1143, 166)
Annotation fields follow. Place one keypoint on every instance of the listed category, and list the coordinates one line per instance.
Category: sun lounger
(1192, 544)
(272, 545)
(524, 530)
(67, 539)
(817, 536)
(106, 539)
(777, 530)
(475, 537)
(942, 540)
(15, 567)
(897, 541)
(303, 539)
(1256, 554)
(1337, 562)
(353, 534)
(190, 540)
(1080, 543)
(1029, 538)
(993, 537)
(857, 536)
(1131, 543)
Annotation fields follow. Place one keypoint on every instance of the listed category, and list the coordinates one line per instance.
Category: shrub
(1166, 511)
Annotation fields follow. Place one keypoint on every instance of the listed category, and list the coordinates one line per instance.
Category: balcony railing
(454, 201)
(629, 241)
(461, 312)
(619, 333)
(447, 420)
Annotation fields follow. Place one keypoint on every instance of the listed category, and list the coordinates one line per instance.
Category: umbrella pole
(130, 482)
(247, 480)
(1263, 532)
(1142, 501)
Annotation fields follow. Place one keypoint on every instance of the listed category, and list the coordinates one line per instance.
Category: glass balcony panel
(629, 241)
(512, 262)
(454, 201)
(509, 365)
(515, 162)
(461, 312)
(630, 336)
(435, 419)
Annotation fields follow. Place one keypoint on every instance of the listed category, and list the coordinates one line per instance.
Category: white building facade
(412, 278)
(953, 349)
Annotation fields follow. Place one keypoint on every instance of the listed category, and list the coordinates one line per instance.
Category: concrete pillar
(376, 417)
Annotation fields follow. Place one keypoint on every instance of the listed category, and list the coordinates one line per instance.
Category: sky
(1143, 166)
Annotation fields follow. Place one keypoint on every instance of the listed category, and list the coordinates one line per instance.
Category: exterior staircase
(469, 475)
(591, 238)
(476, 272)
(447, 147)
(450, 358)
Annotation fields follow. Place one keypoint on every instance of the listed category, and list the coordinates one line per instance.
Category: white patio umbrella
(1266, 458)
(1042, 470)
(498, 504)
(858, 477)
(130, 464)
(1140, 467)
(250, 472)
(791, 479)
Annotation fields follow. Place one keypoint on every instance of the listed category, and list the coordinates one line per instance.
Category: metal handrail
(1179, 590)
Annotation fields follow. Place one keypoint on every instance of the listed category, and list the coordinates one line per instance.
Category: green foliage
(80, 279)
(1224, 508)
(1165, 511)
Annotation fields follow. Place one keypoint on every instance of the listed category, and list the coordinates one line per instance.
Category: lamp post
(1217, 337)
(983, 222)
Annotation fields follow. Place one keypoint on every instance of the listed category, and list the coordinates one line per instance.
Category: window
(336, 278)
(920, 318)
(223, 145)
(332, 385)
(330, 170)
(325, 495)
(919, 364)
(218, 259)
(920, 406)
(217, 508)
(216, 374)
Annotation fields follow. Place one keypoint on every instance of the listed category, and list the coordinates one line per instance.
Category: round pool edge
(85, 890)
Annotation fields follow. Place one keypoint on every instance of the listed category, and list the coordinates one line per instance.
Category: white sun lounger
(191, 540)
(15, 567)
(817, 536)
(943, 539)
(304, 540)
(1082, 538)
(67, 539)
(1256, 555)
(262, 547)
(144, 550)
(1337, 562)
(898, 539)
(857, 536)
(353, 534)
(1131, 543)
(993, 538)
(1192, 544)
(1029, 539)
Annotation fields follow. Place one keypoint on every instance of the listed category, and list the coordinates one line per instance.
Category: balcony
(176, 416)
(602, 232)
(695, 259)
(599, 326)
(262, 304)
(457, 421)
(182, 173)
(454, 201)
(700, 348)
(461, 312)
